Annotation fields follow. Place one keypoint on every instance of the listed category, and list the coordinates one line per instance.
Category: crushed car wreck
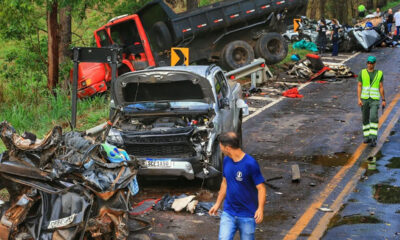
(169, 119)
(62, 187)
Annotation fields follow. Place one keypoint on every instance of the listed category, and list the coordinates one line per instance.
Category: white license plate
(164, 163)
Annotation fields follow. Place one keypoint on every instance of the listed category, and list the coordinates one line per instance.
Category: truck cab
(125, 32)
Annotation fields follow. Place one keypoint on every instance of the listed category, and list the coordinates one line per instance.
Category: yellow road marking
(296, 230)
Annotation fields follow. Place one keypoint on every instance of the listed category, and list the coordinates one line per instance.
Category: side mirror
(224, 103)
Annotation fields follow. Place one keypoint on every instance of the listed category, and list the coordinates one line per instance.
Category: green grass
(391, 4)
(40, 119)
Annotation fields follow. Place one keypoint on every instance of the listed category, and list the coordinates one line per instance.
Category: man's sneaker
(366, 140)
(373, 143)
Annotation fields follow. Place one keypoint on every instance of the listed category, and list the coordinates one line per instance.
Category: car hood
(160, 86)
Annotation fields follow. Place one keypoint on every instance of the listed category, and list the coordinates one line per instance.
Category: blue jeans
(335, 47)
(389, 26)
(230, 224)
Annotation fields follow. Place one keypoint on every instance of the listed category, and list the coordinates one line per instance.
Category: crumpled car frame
(62, 187)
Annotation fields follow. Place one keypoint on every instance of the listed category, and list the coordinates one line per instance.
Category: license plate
(158, 163)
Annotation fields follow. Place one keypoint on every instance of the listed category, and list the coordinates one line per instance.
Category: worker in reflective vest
(370, 90)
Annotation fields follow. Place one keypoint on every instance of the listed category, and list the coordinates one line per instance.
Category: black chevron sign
(179, 56)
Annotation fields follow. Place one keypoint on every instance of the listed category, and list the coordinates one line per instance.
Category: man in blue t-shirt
(242, 188)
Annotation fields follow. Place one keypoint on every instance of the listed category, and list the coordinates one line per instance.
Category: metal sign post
(111, 56)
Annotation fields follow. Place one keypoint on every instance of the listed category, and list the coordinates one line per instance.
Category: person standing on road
(389, 21)
(397, 21)
(242, 188)
(361, 11)
(335, 37)
(321, 39)
(369, 91)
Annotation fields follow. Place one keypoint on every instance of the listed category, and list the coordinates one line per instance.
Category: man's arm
(220, 198)
(359, 88)
(262, 195)
(382, 92)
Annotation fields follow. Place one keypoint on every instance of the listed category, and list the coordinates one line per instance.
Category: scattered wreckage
(169, 119)
(313, 68)
(63, 187)
(360, 37)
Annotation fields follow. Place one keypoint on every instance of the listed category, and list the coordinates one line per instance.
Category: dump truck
(230, 33)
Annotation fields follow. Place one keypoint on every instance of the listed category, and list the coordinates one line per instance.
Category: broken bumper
(171, 167)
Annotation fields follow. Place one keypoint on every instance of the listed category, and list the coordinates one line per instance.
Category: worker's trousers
(370, 118)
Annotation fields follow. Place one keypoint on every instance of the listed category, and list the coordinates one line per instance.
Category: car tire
(237, 54)
(214, 183)
(272, 47)
(162, 35)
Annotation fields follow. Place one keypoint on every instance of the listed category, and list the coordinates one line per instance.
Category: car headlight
(114, 137)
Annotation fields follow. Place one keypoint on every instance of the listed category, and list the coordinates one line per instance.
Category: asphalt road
(320, 132)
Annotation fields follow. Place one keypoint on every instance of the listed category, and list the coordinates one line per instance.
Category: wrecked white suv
(169, 119)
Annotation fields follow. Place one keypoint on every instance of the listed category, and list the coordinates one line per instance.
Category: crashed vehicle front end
(167, 120)
(62, 187)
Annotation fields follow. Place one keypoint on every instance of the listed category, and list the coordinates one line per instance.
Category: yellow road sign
(296, 24)
(179, 56)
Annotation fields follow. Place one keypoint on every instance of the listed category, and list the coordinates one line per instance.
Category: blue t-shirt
(242, 178)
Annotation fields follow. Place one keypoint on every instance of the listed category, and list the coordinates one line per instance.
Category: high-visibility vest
(361, 8)
(370, 90)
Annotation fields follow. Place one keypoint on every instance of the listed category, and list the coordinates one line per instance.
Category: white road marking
(352, 56)
(260, 98)
(252, 109)
(277, 100)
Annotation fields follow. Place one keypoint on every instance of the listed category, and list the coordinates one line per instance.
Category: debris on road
(323, 209)
(87, 193)
(295, 173)
(183, 201)
(314, 68)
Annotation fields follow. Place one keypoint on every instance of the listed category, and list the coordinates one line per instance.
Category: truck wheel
(237, 54)
(162, 35)
(216, 161)
(272, 47)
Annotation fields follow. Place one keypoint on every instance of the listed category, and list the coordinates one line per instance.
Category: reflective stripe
(370, 90)
(366, 133)
(373, 132)
(374, 125)
(366, 126)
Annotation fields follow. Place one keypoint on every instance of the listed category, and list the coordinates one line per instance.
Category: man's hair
(229, 139)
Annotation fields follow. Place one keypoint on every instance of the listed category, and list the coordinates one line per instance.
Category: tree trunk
(65, 34)
(53, 39)
(316, 9)
(65, 52)
(192, 4)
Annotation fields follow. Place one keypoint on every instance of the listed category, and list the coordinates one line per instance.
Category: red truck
(230, 33)
(123, 31)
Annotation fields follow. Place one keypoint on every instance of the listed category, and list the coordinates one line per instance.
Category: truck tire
(216, 161)
(237, 54)
(162, 35)
(272, 47)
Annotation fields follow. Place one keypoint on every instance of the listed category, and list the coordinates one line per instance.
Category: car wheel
(214, 183)
(237, 54)
(272, 47)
